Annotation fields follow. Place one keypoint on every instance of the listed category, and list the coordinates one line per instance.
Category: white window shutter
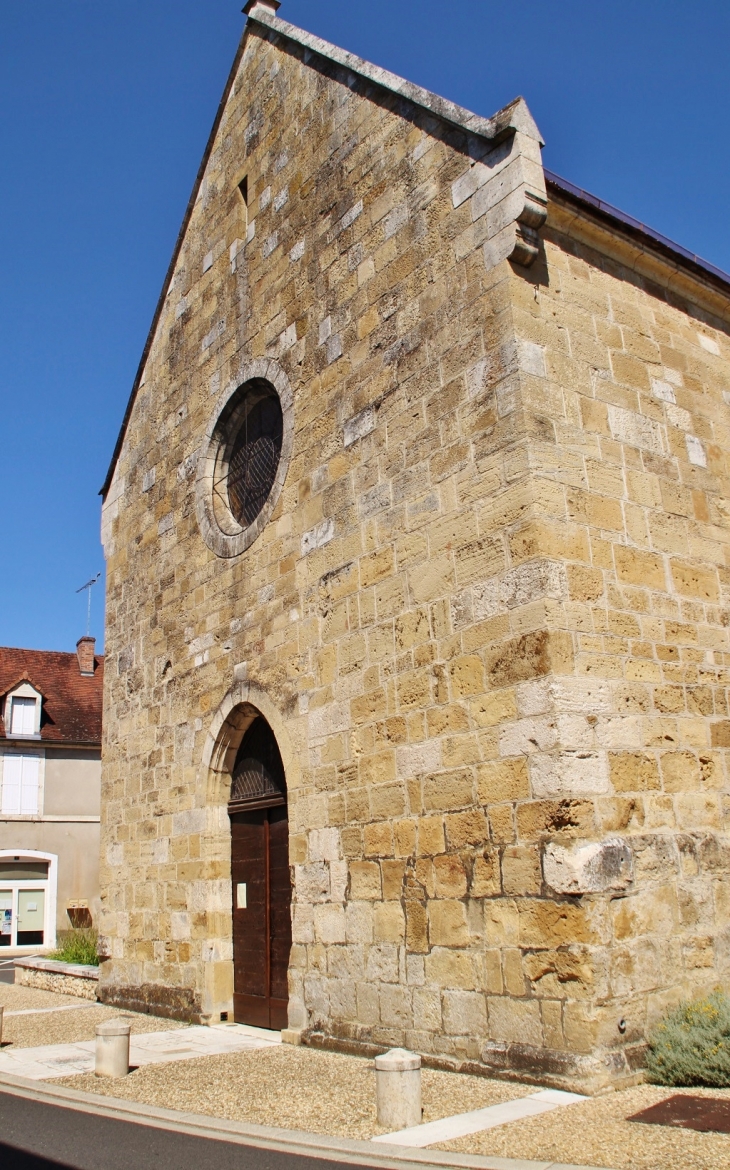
(29, 717)
(22, 721)
(12, 776)
(29, 786)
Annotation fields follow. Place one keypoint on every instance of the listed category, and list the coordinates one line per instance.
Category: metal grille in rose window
(254, 461)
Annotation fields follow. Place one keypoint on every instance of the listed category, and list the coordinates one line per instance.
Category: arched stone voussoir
(237, 711)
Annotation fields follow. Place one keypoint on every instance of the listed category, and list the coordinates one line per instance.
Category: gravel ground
(63, 1027)
(294, 1088)
(597, 1134)
(16, 999)
(325, 1092)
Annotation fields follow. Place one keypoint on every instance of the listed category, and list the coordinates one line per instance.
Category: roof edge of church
(173, 261)
(514, 117)
(602, 210)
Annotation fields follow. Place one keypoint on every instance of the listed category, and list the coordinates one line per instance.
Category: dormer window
(23, 712)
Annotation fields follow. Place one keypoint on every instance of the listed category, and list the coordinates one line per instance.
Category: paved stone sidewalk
(63, 1060)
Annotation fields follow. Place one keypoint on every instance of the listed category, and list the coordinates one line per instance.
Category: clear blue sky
(104, 113)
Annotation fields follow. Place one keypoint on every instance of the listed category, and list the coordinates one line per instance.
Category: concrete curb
(55, 967)
(290, 1141)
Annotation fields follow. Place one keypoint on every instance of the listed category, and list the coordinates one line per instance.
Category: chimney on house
(85, 653)
(268, 5)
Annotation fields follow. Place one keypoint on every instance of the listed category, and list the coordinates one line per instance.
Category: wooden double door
(261, 916)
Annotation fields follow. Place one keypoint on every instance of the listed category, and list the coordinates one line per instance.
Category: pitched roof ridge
(27, 650)
(70, 654)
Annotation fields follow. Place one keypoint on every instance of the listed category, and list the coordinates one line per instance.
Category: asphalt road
(36, 1136)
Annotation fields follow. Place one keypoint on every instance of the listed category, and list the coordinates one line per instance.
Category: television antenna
(88, 587)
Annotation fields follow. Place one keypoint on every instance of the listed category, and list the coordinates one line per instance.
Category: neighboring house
(50, 766)
(417, 534)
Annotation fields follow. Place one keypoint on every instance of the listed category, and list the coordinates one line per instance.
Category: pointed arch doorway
(261, 883)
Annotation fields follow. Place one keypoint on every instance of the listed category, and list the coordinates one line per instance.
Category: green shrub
(691, 1046)
(77, 946)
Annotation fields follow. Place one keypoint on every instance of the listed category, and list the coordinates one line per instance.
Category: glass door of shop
(22, 917)
(7, 923)
(31, 917)
(23, 903)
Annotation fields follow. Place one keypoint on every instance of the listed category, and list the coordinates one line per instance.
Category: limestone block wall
(447, 616)
(626, 407)
(354, 275)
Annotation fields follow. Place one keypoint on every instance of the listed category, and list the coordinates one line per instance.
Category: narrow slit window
(241, 228)
(243, 192)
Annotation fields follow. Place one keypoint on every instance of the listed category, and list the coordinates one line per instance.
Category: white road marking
(463, 1124)
(66, 1007)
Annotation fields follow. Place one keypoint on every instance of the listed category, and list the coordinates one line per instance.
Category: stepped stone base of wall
(591, 1075)
(171, 1003)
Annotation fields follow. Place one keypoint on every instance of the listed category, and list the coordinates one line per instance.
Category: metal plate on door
(241, 896)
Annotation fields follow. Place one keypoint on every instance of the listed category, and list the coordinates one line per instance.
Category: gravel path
(16, 999)
(294, 1088)
(596, 1133)
(63, 1027)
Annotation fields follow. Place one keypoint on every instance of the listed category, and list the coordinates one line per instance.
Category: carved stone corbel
(505, 186)
(529, 222)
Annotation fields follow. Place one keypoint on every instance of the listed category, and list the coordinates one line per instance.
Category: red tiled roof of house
(71, 710)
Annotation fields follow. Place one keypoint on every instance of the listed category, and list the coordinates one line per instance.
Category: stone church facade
(416, 702)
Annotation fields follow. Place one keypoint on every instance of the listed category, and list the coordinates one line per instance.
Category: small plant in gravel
(77, 946)
(691, 1046)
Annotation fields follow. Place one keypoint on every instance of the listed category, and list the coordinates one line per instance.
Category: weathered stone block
(634, 771)
(365, 880)
(464, 1013)
(553, 924)
(515, 1020)
(593, 868)
(447, 924)
(521, 870)
(569, 773)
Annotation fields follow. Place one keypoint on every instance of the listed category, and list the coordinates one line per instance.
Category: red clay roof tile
(71, 711)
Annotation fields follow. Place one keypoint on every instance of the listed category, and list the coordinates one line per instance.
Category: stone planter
(63, 978)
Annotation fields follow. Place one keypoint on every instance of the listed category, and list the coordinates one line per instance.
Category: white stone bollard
(398, 1089)
(112, 1048)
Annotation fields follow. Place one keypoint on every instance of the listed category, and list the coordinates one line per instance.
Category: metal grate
(258, 774)
(254, 460)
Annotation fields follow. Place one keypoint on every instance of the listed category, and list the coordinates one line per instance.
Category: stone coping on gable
(511, 118)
